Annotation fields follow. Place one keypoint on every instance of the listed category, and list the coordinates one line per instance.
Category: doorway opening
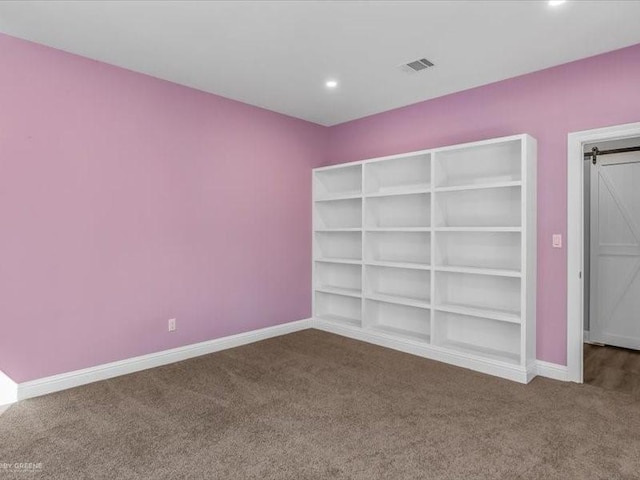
(603, 257)
(612, 265)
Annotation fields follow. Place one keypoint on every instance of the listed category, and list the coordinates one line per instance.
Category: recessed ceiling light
(555, 3)
(331, 83)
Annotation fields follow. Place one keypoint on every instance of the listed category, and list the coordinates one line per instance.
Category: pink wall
(126, 200)
(591, 93)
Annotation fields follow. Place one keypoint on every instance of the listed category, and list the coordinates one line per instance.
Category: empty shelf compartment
(491, 207)
(338, 181)
(398, 175)
(399, 247)
(399, 320)
(338, 309)
(500, 295)
(482, 337)
(492, 250)
(339, 278)
(339, 214)
(338, 245)
(485, 164)
(399, 211)
(399, 285)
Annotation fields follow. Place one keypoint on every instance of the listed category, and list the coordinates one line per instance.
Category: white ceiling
(278, 54)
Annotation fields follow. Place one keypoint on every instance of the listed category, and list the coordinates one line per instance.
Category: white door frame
(575, 235)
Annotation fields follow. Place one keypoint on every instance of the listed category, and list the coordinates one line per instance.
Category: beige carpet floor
(312, 405)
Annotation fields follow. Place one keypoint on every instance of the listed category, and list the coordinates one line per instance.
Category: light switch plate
(557, 240)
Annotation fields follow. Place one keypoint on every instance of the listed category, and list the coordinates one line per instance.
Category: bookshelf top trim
(524, 137)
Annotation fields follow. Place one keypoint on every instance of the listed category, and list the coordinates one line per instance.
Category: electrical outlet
(172, 324)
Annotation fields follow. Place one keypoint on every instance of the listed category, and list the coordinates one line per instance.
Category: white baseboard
(516, 373)
(8, 390)
(552, 370)
(586, 338)
(11, 392)
(55, 383)
(499, 369)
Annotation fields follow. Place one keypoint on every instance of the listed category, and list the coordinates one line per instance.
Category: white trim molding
(497, 368)
(551, 370)
(575, 236)
(516, 373)
(8, 390)
(587, 339)
(11, 392)
(76, 378)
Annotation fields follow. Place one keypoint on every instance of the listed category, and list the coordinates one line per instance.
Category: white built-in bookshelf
(432, 253)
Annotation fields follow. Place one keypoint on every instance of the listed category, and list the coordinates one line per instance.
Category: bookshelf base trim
(504, 370)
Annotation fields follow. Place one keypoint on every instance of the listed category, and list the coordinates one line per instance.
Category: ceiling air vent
(416, 65)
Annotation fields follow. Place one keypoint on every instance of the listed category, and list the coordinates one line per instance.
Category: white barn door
(615, 250)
